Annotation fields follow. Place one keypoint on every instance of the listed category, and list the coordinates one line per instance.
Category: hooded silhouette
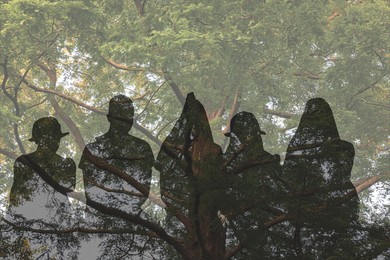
(179, 159)
(317, 169)
(191, 179)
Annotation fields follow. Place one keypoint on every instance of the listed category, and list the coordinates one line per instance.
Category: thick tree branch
(123, 66)
(64, 96)
(253, 163)
(233, 251)
(14, 100)
(219, 112)
(52, 74)
(360, 186)
(69, 122)
(127, 192)
(18, 140)
(137, 185)
(79, 229)
(91, 108)
(236, 153)
(35, 61)
(233, 109)
(116, 171)
(146, 133)
(9, 154)
(5, 79)
(307, 74)
(140, 5)
(175, 88)
(105, 209)
(365, 184)
(286, 115)
(138, 220)
(334, 14)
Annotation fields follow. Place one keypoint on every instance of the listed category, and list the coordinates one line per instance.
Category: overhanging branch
(286, 115)
(90, 108)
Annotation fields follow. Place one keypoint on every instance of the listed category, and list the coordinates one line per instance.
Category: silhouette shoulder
(141, 144)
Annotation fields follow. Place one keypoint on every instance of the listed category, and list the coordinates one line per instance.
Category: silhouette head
(197, 117)
(244, 125)
(121, 113)
(317, 125)
(46, 133)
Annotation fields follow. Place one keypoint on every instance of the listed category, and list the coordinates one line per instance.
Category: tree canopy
(69, 58)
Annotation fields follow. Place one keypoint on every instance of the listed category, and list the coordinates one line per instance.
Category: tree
(69, 58)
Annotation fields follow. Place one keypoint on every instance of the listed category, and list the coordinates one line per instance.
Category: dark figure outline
(43, 174)
(190, 164)
(254, 181)
(123, 151)
(318, 168)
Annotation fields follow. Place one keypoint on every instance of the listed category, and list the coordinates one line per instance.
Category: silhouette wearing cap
(33, 202)
(245, 155)
(245, 135)
(317, 169)
(131, 155)
(253, 174)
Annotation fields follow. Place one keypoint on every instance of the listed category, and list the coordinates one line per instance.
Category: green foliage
(276, 54)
